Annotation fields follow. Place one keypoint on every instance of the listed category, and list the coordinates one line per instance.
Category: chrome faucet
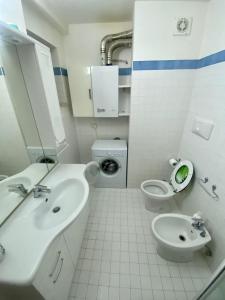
(18, 188)
(2, 252)
(39, 190)
(199, 224)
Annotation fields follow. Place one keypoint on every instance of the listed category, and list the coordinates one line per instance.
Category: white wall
(12, 12)
(209, 156)
(154, 27)
(90, 129)
(160, 98)
(82, 49)
(39, 25)
(214, 35)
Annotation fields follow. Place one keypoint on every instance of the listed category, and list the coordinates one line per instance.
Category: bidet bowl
(176, 238)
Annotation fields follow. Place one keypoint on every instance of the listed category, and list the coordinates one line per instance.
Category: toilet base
(173, 255)
(157, 206)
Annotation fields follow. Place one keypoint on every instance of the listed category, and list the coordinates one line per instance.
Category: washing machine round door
(109, 166)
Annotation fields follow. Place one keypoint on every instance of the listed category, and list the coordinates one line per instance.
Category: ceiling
(65, 12)
(89, 11)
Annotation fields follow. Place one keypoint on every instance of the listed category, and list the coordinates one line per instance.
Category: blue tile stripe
(2, 71)
(58, 71)
(180, 64)
(125, 71)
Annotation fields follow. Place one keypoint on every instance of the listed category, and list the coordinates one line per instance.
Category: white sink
(60, 204)
(28, 233)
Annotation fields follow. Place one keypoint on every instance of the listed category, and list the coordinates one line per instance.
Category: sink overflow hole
(182, 238)
(56, 209)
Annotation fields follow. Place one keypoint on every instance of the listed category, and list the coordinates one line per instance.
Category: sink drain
(56, 209)
(182, 238)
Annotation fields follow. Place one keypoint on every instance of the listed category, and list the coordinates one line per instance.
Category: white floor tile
(119, 261)
(147, 295)
(114, 293)
(92, 292)
(114, 280)
(135, 281)
(94, 278)
(136, 294)
(104, 279)
(167, 283)
(156, 283)
(188, 284)
(125, 293)
(146, 282)
(169, 295)
(177, 284)
(158, 295)
(81, 290)
(103, 293)
(164, 271)
(180, 295)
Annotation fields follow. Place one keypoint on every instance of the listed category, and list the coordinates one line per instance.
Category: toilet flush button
(202, 128)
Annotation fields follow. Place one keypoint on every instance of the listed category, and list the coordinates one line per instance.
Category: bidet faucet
(18, 188)
(39, 190)
(198, 222)
(2, 252)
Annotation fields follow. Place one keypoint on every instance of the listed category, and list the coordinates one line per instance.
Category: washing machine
(111, 156)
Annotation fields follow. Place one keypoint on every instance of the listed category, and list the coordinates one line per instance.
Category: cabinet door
(48, 80)
(75, 232)
(105, 90)
(55, 274)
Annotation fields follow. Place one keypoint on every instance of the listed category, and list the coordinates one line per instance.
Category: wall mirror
(23, 160)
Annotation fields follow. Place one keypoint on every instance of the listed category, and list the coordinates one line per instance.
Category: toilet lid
(182, 175)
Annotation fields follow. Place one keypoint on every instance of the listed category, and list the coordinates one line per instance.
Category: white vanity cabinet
(75, 232)
(55, 274)
(105, 80)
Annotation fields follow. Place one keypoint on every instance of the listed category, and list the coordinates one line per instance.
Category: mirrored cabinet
(31, 123)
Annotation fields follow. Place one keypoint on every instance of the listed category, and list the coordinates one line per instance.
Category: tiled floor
(118, 260)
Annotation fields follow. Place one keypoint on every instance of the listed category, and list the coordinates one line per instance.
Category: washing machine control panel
(113, 154)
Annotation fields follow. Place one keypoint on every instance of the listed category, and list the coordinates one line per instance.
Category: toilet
(177, 239)
(158, 192)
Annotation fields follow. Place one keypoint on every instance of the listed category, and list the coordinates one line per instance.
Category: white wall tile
(158, 112)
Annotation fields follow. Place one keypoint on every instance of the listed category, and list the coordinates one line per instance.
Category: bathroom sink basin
(64, 199)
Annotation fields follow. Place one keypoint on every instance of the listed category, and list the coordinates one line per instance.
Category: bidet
(176, 237)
